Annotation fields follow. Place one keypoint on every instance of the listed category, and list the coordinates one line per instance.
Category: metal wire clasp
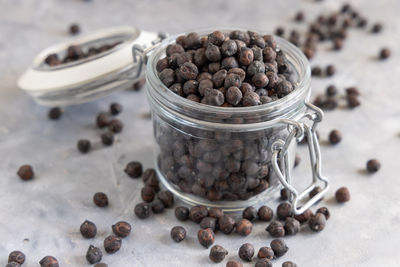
(280, 158)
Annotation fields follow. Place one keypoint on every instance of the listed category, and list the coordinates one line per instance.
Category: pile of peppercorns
(236, 69)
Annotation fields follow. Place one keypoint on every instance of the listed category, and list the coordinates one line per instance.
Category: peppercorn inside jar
(229, 107)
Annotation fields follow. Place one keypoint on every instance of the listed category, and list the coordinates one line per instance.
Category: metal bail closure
(280, 159)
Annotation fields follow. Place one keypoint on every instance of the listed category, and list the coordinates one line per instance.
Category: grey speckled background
(47, 211)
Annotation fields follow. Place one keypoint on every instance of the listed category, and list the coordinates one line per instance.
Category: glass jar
(234, 157)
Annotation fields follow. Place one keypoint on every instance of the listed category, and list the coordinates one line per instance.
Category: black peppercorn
(234, 264)
(299, 16)
(88, 229)
(325, 211)
(289, 264)
(167, 198)
(107, 138)
(121, 229)
(178, 233)
(213, 97)
(226, 224)
(316, 71)
(167, 76)
(283, 211)
(55, 113)
(134, 169)
(74, 29)
(206, 237)
(84, 145)
(250, 99)
(215, 213)
(304, 217)
(115, 126)
(342, 195)
(279, 31)
(182, 213)
(317, 222)
(209, 222)
(246, 56)
(157, 206)
(102, 120)
(115, 108)
(148, 193)
(100, 265)
(244, 227)
(330, 70)
(315, 191)
(384, 53)
(93, 255)
(16, 256)
(284, 194)
(260, 80)
(331, 90)
(233, 95)
(276, 229)
(376, 28)
(292, 226)
(337, 44)
(13, 264)
(250, 213)
(112, 244)
(197, 213)
(335, 137)
(279, 247)
(265, 213)
(266, 253)
(263, 263)
(25, 172)
(373, 165)
(49, 261)
(100, 199)
(142, 210)
(218, 253)
(139, 84)
(246, 252)
(352, 101)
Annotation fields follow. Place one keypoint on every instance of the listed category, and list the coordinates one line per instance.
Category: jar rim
(277, 108)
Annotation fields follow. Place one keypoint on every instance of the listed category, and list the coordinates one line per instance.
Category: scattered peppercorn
(263, 263)
(74, 29)
(265, 213)
(25, 172)
(279, 247)
(121, 229)
(246, 252)
(316, 71)
(88, 229)
(84, 145)
(209, 222)
(142, 210)
(234, 264)
(342, 195)
(55, 113)
(376, 28)
(226, 224)
(317, 222)
(330, 70)
(304, 217)
(331, 90)
(107, 138)
(157, 206)
(276, 229)
(284, 194)
(292, 226)
(182, 213)
(244, 227)
(314, 192)
(178, 233)
(148, 193)
(94, 255)
(13, 264)
(384, 53)
(250, 213)
(112, 244)
(167, 198)
(16, 256)
(102, 120)
(373, 165)
(134, 169)
(197, 213)
(352, 101)
(115, 108)
(100, 199)
(335, 137)
(100, 265)
(139, 84)
(283, 211)
(206, 237)
(115, 126)
(299, 17)
(215, 213)
(289, 264)
(49, 261)
(325, 211)
(266, 253)
(218, 253)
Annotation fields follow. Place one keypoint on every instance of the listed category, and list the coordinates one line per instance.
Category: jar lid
(88, 78)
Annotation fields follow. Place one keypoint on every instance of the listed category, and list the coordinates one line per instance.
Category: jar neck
(165, 101)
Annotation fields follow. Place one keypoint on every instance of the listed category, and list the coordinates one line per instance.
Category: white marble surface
(42, 217)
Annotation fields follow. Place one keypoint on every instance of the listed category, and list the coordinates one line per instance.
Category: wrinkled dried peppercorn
(13, 264)
(289, 264)
(244, 227)
(292, 226)
(335, 137)
(384, 53)
(100, 199)
(209, 222)
(279, 247)
(166, 197)
(330, 70)
(206, 237)
(121, 229)
(115, 108)
(246, 252)
(304, 217)
(55, 113)
(102, 120)
(16, 256)
(283, 211)
(342, 195)
(112, 244)
(74, 29)
(331, 90)
(25, 172)
(315, 191)
(217, 253)
(142, 210)
(276, 229)
(215, 213)
(49, 261)
(325, 211)
(88, 229)
(376, 28)
(115, 126)
(265, 213)
(93, 255)
(373, 165)
(157, 206)
(178, 233)
(182, 213)
(148, 193)
(234, 264)
(266, 253)
(250, 213)
(226, 224)
(107, 138)
(84, 145)
(197, 213)
(263, 263)
(134, 169)
(317, 222)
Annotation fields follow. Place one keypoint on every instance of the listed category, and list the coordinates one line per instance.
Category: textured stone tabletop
(42, 217)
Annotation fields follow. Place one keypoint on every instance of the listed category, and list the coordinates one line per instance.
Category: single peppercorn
(197, 213)
(167, 198)
(217, 253)
(373, 165)
(279, 247)
(121, 229)
(93, 255)
(178, 233)
(284, 194)
(342, 195)
(182, 213)
(276, 229)
(74, 29)
(112, 244)
(384, 53)
(206, 237)
(115, 108)
(84, 145)
(139, 84)
(246, 252)
(142, 210)
(107, 138)
(292, 226)
(314, 192)
(25, 172)
(88, 229)
(304, 217)
(55, 113)
(102, 120)
(325, 211)
(209, 222)
(352, 101)
(250, 213)
(157, 206)
(299, 17)
(289, 264)
(317, 222)
(263, 263)
(316, 71)
(16, 256)
(330, 70)
(266, 253)
(331, 90)
(100, 265)
(265, 213)
(215, 213)
(376, 28)
(335, 137)
(148, 193)
(134, 169)
(244, 227)
(115, 126)
(226, 224)
(283, 211)
(13, 264)
(100, 199)
(234, 264)
(49, 261)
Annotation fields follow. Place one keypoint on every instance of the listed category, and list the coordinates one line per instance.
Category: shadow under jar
(233, 157)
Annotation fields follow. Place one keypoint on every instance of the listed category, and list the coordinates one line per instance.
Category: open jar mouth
(198, 113)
